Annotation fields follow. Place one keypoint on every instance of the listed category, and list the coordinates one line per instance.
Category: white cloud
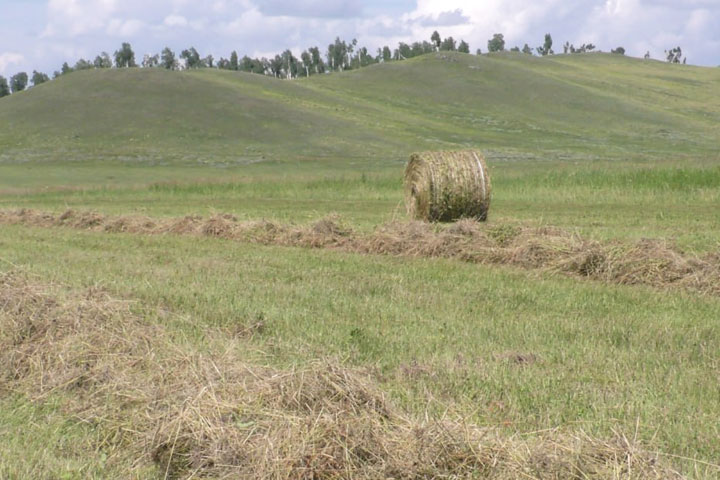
(9, 58)
(638, 25)
(311, 8)
(518, 20)
(74, 28)
(124, 28)
(703, 24)
(448, 18)
(175, 21)
(77, 17)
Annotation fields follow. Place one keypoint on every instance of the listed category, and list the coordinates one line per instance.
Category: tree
(125, 57)
(18, 82)
(478, 52)
(167, 59)
(448, 45)
(527, 50)
(276, 66)
(289, 64)
(546, 49)
(4, 87)
(247, 64)
(316, 60)
(515, 49)
(39, 77)
(83, 64)
(435, 39)
(464, 47)
(208, 61)
(348, 53)
(306, 59)
(65, 69)
(404, 51)
(497, 43)
(150, 61)
(421, 48)
(102, 61)
(364, 57)
(337, 53)
(386, 54)
(416, 49)
(618, 51)
(234, 60)
(674, 55)
(585, 47)
(191, 57)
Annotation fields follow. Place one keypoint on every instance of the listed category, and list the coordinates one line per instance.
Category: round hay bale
(445, 186)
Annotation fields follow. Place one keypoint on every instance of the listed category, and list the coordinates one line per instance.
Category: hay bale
(445, 186)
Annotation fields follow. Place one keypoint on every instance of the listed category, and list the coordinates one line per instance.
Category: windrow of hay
(160, 401)
(655, 263)
(446, 186)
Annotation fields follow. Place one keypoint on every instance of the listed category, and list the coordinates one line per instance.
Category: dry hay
(197, 414)
(653, 263)
(446, 186)
(219, 226)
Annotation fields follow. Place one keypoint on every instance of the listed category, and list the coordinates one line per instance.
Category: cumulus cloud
(638, 25)
(9, 58)
(77, 17)
(124, 28)
(444, 19)
(265, 27)
(175, 21)
(311, 8)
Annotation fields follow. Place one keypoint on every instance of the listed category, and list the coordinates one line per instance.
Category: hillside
(597, 106)
(209, 274)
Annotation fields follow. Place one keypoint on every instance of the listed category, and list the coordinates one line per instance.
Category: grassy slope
(613, 146)
(553, 128)
(601, 105)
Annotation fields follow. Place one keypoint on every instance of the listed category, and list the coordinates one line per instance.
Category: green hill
(611, 161)
(595, 105)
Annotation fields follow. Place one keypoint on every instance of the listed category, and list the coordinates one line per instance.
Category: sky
(42, 34)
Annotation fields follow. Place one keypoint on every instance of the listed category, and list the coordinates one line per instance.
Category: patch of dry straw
(655, 263)
(446, 186)
(195, 414)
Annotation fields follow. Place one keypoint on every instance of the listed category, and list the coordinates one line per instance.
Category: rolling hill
(166, 236)
(594, 105)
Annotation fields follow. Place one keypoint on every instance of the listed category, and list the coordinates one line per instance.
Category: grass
(604, 355)
(597, 105)
(601, 200)
(610, 147)
(39, 440)
(212, 410)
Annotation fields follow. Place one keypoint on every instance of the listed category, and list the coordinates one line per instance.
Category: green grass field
(613, 148)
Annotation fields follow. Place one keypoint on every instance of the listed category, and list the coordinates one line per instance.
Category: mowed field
(567, 375)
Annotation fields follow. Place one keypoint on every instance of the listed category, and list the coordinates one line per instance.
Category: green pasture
(613, 148)
(519, 351)
(603, 200)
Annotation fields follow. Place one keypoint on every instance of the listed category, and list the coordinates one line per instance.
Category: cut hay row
(446, 186)
(653, 263)
(194, 414)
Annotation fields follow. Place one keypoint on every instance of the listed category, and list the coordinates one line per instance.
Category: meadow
(611, 149)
